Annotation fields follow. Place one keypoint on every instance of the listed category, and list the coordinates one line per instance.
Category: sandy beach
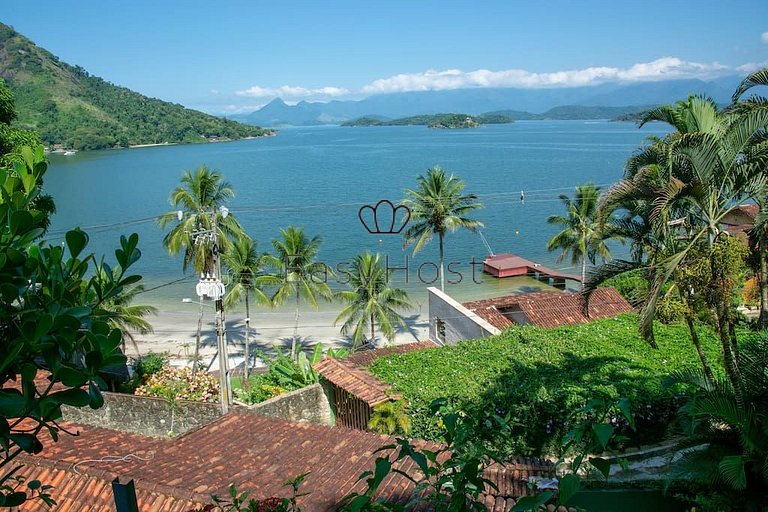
(175, 333)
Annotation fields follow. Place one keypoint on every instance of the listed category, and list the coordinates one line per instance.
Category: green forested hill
(433, 121)
(66, 105)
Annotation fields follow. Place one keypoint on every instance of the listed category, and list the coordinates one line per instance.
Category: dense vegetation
(66, 105)
(539, 376)
(433, 121)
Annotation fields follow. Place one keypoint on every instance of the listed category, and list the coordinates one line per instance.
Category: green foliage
(633, 286)
(51, 317)
(450, 478)
(287, 372)
(68, 106)
(431, 121)
(371, 301)
(258, 388)
(240, 502)
(143, 367)
(538, 375)
(731, 434)
(438, 206)
(390, 418)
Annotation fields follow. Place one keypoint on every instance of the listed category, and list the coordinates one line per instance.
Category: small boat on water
(69, 152)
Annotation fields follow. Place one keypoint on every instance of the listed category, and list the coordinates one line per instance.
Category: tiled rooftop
(357, 381)
(551, 309)
(350, 374)
(256, 453)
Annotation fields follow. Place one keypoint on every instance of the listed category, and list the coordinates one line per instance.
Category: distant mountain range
(68, 106)
(596, 102)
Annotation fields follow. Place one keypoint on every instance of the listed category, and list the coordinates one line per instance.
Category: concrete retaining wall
(308, 404)
(145, 415)
(450, 322)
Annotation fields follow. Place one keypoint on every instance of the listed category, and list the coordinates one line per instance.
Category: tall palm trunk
(295, 339)
(197, 340)
(442, 272)
(695, 339)
(247, 361)
(373, 330)
(763, 282)
(729, 357)
(583, 263)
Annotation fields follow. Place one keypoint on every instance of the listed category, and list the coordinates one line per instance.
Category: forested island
(448, 121)
(73, 109)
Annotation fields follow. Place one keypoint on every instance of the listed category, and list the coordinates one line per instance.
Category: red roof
(349, 373)
(508, 261)
(353, 380)
(258, 454)
(550, 309)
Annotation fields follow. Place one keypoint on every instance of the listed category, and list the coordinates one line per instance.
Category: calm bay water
(319, 177)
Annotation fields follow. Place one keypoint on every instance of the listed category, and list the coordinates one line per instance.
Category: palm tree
(438, 206)
(730, 436)
(757, 106)
(370, 301)
(691, 179)
(245, 266)
(122, 314)
(296, 272)
(199, 198)
(584, 233)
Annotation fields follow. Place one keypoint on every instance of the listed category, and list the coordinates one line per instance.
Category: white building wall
(458, 322)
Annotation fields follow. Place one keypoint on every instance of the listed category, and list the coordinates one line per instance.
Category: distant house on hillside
(740, 219)
(549, 309)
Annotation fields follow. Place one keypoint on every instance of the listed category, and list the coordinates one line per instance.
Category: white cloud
(764, 37)
(751, 67)
(666, 68)
(289, 92)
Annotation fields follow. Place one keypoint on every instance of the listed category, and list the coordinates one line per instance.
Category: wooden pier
(509, 265)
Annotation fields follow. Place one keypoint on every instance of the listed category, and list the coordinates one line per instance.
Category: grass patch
(541, 377)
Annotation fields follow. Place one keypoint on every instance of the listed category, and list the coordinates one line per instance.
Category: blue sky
(230, 56)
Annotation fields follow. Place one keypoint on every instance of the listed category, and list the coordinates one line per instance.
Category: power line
(96, 228)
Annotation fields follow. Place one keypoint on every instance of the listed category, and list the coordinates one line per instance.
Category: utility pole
(213, 288)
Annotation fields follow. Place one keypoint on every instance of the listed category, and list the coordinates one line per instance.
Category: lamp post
(212, 288)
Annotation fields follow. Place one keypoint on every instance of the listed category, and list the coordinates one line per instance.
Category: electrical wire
(98, 228)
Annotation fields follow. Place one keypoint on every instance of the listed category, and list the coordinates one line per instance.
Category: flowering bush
(179, 384)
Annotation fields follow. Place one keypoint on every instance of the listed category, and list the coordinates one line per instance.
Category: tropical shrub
(287, 372)
(390, 418)
(729, 433)
(258, 388)
(179, 384)
(143, 367)
(538, 375)
(449, 478)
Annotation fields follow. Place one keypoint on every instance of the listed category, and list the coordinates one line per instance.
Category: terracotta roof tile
(256, 453)
(357, 381)
(551, 309)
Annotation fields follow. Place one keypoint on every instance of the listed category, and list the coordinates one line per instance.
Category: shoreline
(175, 333)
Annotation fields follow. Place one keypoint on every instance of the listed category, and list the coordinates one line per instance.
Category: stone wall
(308, 404)
(450, 322)
(145, 415)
